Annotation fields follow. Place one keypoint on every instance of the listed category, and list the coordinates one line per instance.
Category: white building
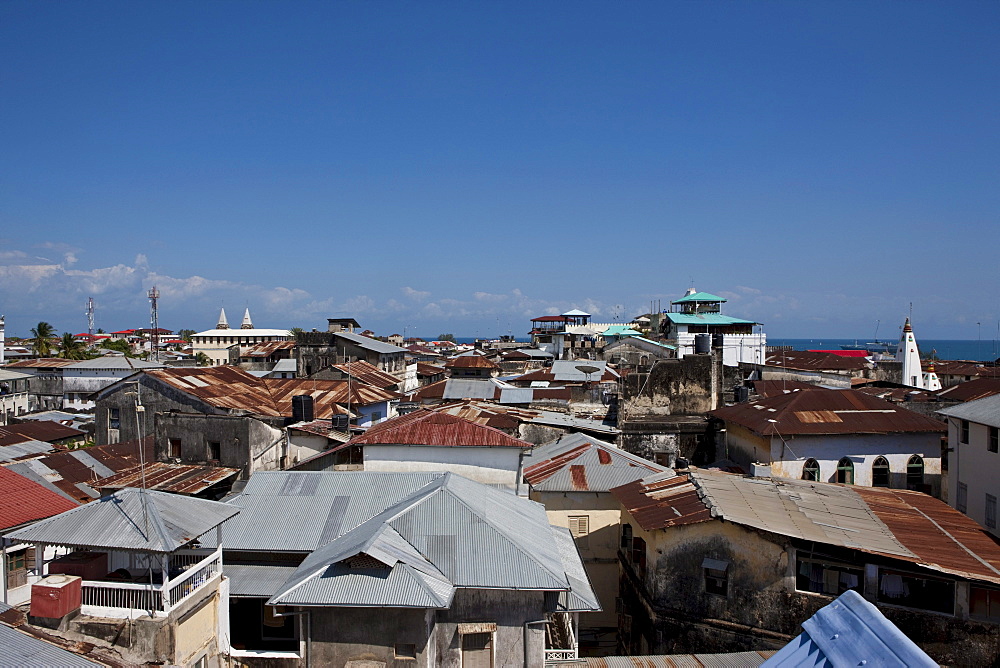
(217, 343)
(701, 313)
(908, 354)
(13, 394)
(82, 379)
(974, 460)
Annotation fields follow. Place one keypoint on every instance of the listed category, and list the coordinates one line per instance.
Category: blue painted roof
(705, 319)
(850, 631)
(620, 330)
(698, 297)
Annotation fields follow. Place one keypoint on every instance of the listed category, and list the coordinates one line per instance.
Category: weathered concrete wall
(538, 434)
(156, 397)
(688, 386)
(509, 610)
(340, 635)
(244, 442)
(490, 466)
(665, 439)
(673, 613)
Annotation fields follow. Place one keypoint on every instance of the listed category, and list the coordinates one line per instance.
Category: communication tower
(154, 294)
(90, 317)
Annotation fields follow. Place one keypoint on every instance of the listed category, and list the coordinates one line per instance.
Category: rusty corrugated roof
(660, 501)
(425, 427)
(971, 390)
(471, 362)
(268, 348)
(46, 431)
(816, 361)
(187, 479)
(823, 411)
(368, 373)
(41, 363)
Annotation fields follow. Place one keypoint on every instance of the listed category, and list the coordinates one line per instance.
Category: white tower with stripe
(908, 353)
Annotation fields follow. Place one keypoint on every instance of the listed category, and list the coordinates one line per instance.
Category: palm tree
(42, 338)
(71, 348)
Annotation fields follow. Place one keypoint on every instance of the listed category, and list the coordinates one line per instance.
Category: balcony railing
(127, 599)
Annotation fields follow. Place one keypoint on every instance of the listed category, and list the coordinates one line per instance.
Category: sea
(944, 349)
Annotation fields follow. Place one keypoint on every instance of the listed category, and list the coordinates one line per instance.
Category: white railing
(188, 558)
(114, 599)
(560, 654)
(193, 578)
(123, 596)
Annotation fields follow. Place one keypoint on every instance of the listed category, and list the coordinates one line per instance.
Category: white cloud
(416, 295)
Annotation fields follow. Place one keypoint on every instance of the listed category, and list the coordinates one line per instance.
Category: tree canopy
(42, 335)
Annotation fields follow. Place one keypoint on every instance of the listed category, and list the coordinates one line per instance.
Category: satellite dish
(587, 369)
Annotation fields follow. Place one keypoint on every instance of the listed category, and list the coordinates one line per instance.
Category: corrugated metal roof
(188, 479)
(289, 365)
(23, 500)
(268, 348)
(581, 596)
(425, 427)
(24, 450)
(468, 388)
(41, 363)
(509, 417)
(368, 374)
(816, 361)
(23, 650)
(130, 519)
(826, 411)
(13, 375)
(37, 430)
(698, 297)
(549, 468)
(115, 362)
(452, 532)
(659, 501)
(850, 632)
(729, 660)
(257, 581)
(565, 371)
(471, 362)
(371, 344)
(979, 388)
(981, 411)
(706, 319)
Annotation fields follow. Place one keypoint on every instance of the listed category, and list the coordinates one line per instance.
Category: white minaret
(223, 323)
(2, 340)
(246, 320)
(909, 355)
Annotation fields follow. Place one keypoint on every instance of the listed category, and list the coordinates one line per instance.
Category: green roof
(699, 297)
(706, 319)
(620, 330)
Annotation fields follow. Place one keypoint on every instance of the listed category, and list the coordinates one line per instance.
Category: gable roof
(981, 411)
(46, 431)
(811, 360)
(425, 427)
(578, 462)
(698, 297)
(450, 533)
(115, 362)
(706, 319)
(130, 519)
(824, 411)
(900, 524)
(23, 500)
(471, 362)
(971, 390)
(368, 374)
(375, 345)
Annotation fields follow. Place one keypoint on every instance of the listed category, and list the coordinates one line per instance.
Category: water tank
(702, 344)
(741, 394)
(302, 408)
(339, 421)
(718, 340)
(56, 596)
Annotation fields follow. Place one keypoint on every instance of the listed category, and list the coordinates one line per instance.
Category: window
(824, 577)
(994, 444)
(991, 511)
(639, 556)
(18, 565)
(626, 543)
(579, 526)
(716, 576)
(915, 473)
(214, 450)
(376, 416)
(880, 472)
(845, 471)
(477, 650)
(964, 435)
(114, 418)
(810, 471)
(916, 591)
(405, 650)
(174, 447)
(984, 603)
(962, 499)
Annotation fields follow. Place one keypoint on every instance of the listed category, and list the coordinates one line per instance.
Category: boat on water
(873, 347)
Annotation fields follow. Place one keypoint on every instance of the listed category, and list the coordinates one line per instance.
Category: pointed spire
(223, 323)
(247, 324)
(908, 354)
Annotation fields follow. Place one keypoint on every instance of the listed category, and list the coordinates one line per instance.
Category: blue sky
(464, 167)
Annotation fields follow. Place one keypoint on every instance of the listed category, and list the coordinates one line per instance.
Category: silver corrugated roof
(286, 365)
(981, 411)
(256, 581)
(130, 519)
(371, 344)
(517, 395)
(114, 362)
(567, 371)
(578, 462)
(439, 531)
(581, 596)
(20, 649)
(9, 453)
(470, 388)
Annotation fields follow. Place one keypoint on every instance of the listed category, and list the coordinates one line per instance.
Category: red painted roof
(23, 501)
(424, 427)
(844, 353)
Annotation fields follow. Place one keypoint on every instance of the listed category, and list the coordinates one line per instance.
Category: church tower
(223, 323)
(908, 353)
(247, 324)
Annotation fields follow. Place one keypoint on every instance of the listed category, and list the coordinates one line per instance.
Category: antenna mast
(90, 317)
(154, 294)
